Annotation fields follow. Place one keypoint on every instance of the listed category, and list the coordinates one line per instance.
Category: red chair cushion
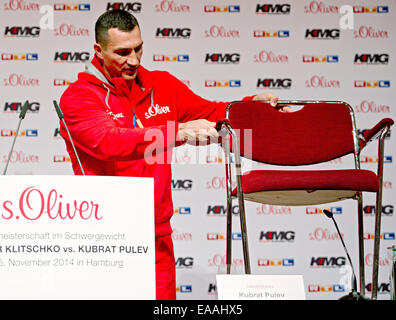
(271, 180)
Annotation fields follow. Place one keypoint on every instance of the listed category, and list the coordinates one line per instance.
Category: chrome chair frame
(359, 197)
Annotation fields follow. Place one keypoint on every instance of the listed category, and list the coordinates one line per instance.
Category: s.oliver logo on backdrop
(19, 80)
(265, 56)
(216, 31)
(70, 30)
(320, 234)
(320, 82)
(166, 6)
(181, 236)
(218, 183)
(219, 261)
(321, 8)
(365, 32)
(33, 204)
(267, 209)
(383, 262)
(21, 5)
(371, 107)
(21, 157)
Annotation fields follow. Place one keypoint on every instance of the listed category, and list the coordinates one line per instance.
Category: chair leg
(361, 244)
(377, 234)
(229, 235)
(228, 176)
(245, 245)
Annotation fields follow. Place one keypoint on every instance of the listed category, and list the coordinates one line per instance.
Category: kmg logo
(273, 8)
(222, 58)
(134, 7)
(277, 236)
(270, 83)
(17, 31)
(367, 58)
(173, 33)
(327, 262)
(326, 34)
(71, 56)
(184, 185)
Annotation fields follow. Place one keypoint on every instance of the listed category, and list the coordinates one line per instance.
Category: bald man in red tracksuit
(110, 109)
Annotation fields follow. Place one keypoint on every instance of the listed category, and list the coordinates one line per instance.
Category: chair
(318, 132)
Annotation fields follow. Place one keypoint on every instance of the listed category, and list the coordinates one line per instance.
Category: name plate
(76, 237)
(260, 287)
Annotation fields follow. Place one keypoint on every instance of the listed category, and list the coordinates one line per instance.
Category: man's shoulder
(79, 86)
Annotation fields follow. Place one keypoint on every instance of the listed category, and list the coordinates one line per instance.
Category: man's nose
(132, 58)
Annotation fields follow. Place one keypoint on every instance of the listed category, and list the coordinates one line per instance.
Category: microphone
(62, 118)
(353, 295)
(22, 115)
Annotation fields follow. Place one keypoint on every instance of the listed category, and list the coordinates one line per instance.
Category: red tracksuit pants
(165, 272)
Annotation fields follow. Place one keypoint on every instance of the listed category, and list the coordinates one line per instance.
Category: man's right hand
(197, 131)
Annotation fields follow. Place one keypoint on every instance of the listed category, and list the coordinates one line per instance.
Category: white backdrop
(254, 41)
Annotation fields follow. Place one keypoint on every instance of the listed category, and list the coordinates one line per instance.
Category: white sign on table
(76, 237)
(260, 287)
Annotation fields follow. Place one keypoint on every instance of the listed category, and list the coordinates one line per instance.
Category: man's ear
(98, 51)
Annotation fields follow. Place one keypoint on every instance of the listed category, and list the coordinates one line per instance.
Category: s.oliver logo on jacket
(156, 110)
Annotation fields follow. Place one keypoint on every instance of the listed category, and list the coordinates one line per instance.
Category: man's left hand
(272, 99)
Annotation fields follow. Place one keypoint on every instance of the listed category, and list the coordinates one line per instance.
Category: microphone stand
(354, 294)
(62, 118)
(22, 115)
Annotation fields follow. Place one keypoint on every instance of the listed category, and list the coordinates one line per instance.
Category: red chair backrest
(317, 133)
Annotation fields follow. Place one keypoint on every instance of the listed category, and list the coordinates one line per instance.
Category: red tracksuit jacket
(99, 113)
